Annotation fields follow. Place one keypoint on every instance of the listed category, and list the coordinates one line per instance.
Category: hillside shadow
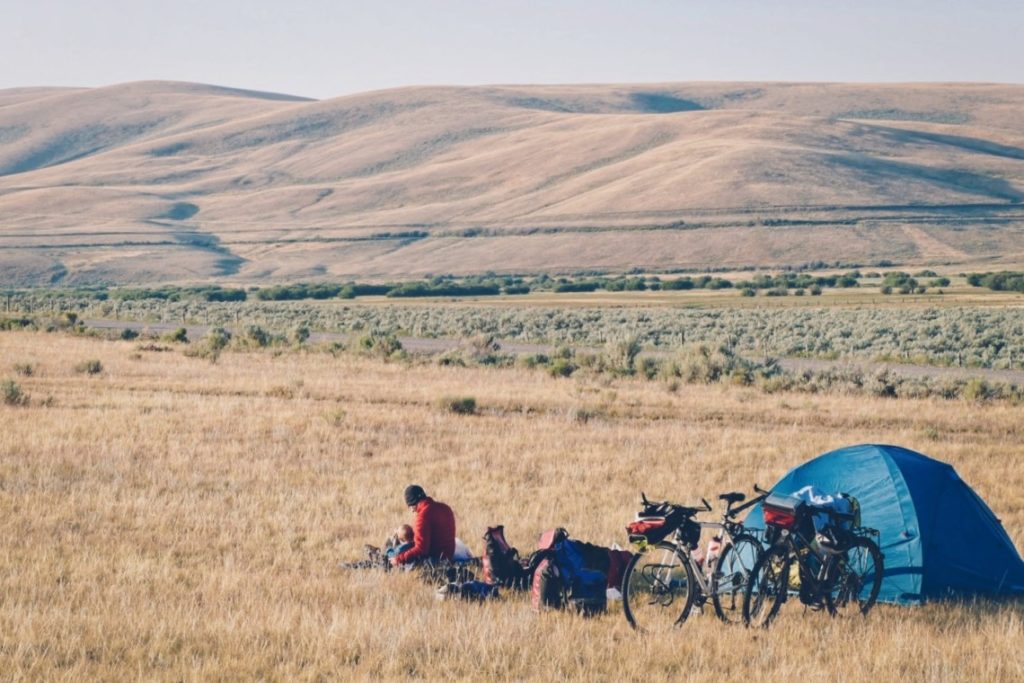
(76, 144)
(661, 103)
(958, 141)
(226, 263)
(949, 179)
(180, 211)
(947, 117)
(319, 125)
(637, 103)
(169, 150)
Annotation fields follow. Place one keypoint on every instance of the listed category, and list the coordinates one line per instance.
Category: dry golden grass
(170, 519)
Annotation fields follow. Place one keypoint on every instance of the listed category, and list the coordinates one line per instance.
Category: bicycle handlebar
(686, 510)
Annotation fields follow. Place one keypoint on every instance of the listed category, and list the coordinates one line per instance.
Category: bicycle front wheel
(859, 579)
(768, 586)
(658, 589)
(731, 575)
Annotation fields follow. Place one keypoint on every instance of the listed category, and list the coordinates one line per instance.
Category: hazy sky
(324, 48)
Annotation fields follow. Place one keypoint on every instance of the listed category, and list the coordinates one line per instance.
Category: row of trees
(1004, 281)
(438, 286)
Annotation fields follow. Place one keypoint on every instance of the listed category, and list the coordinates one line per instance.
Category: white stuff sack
(821, 500)
(462, 552)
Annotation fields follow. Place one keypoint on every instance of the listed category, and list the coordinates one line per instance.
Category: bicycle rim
(729, 581)
(858, 581)
(658, 590)
(767, 588)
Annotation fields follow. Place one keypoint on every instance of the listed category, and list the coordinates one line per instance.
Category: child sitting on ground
(400, 542)
(376, 558)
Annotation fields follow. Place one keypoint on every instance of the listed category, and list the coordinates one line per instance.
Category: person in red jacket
(433, 529)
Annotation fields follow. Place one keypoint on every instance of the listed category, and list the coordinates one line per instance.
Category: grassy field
(171, 519)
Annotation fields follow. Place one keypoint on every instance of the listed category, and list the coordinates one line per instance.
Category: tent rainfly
(939, 538)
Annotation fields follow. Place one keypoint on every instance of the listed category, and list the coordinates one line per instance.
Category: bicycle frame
(674, 573)
(702, 574)
(802, 549)
(660, 572)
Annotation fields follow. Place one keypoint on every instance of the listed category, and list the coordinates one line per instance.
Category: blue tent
(938, 537)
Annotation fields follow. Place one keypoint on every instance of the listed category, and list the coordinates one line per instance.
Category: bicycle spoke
(658, 590)
(731, 576)
(858, 581)
(767, 588)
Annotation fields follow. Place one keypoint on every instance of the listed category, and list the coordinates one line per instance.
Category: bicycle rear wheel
(768, 586)
(731, 575)
(859, 579)
(658, 589)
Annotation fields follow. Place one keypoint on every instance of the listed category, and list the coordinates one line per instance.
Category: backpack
(561, 577)
(611, 563)
(501, 563)
(546, 586)
(587, 588)
(617, 561)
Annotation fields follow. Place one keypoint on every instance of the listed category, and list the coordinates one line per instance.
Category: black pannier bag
(690, 533)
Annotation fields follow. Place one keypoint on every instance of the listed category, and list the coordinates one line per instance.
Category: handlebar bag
(654, 529)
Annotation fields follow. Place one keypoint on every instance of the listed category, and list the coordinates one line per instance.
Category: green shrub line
(1003, 281)
(711, 364)
(489, 284)
(623, 356)
(716, 364)
(962, 336)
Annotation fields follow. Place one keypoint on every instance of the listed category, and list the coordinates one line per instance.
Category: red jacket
(433, 532)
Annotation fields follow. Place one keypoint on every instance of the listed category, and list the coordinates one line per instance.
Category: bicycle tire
(730, 577)
(658, 589)
(861, 570)
(768, 586)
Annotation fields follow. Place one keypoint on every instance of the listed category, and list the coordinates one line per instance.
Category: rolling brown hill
(160, 181)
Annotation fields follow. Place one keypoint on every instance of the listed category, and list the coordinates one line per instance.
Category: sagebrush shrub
(25, 369)
(179, 336)
(977, 390)
(561, 367)
(211, 345)
(12, 393)
(89, 367)
(460, 405)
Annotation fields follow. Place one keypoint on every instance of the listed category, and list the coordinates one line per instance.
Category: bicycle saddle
(734, 497)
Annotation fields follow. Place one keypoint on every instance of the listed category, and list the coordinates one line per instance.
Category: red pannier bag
(654, 528)
(643, 527)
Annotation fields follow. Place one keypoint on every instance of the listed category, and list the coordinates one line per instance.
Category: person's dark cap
(414, 494)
